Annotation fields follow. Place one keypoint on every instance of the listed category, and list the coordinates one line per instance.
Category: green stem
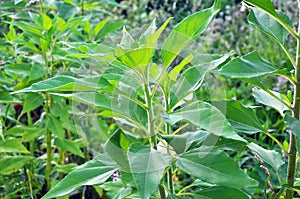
(150, 115)
(82, 7)
(49, 147)
(162, 192)
(292, 152)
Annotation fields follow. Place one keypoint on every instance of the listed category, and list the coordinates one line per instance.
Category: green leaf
(267, 6)
(116, 190)
(32, 101)
(99, 26)
(95, 171)
(271, 157)
(214, 167)
(270, 98)
(269, 25)
(68, 145)
(116, 147)
(242, 118)
(215, 191)
(10, 164)
(248, 66)
(12, 145)
(47, 22)
(205, 116)
(182, 143)
(67, 83)
(117, 106)
(67, 168)
(147, 167)
(174, 73)
(186, 31)
(55, 126)
(6, 98)
(294, 126)
(109, 28)
(192, 78)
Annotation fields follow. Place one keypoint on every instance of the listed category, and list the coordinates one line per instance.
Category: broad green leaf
(87, 27)
(109, 28)
(248, 66)
(47, 22)
(147, 167)
(192, 78)
(67, 83)
(55, 126)
(68, 145)
(270, 98)
(150, 36)
(32, 101)
(182, 143)
(242, 118)
(271, 157)
(116, 147)
(268, 7)
(37, 71)
(99, 26)
(174, 73)
(294, 126)
(269, 25)
(27, 132)
(186, 31)
(137, 58)
(10, 164)
(6, 98)
(95, 171)
(116, 106)
(20, 69)
(205, 116)
(214, 167)
(67, 168)
(116, 190)
(215, 191)
(12, 145)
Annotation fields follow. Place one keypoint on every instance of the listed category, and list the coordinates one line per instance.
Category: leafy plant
(148, 96)
(251, 68)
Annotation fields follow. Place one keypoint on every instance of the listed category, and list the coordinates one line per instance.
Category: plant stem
(150, 115)
(162, 192)
(292, 152)
(49, 147)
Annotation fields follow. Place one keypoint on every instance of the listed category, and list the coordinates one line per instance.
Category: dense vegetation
(149, 99)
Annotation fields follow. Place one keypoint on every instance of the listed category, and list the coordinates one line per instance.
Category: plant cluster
(82, 117)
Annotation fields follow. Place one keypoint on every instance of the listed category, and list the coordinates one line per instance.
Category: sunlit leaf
(10, 164)
(12, 145)
(95, 171)
(186, 31)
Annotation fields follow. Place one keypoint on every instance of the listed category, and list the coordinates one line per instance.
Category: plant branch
(292, 151)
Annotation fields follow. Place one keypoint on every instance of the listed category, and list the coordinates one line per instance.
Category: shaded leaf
(215, 191)
(271, 157)
(32, 101)
(247, 66)
(68, 145)
(242, 118)
(269, 25)
(214, 167)
(147, 167)
(267, 99)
